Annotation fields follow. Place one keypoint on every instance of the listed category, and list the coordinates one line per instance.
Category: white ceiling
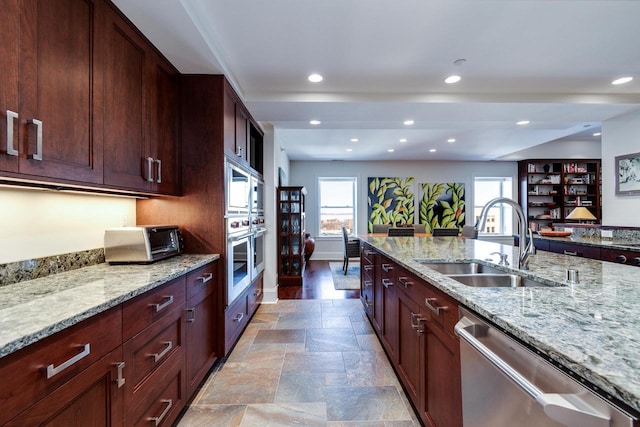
(384, 61)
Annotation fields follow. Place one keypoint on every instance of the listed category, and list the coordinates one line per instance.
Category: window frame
(354, 207)
(505, 211)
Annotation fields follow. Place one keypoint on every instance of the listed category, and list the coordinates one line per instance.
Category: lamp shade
(581, 213)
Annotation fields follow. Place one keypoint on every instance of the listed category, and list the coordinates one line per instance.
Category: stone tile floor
(304, 363)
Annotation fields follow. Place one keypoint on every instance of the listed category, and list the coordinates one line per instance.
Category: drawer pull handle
(193, 315)
(570, 253)
(159, 163)
(120, 378)
(11, 116)
(238, 317)
(158, 420)
(158, 356)
(404, 281)
(52, 371)
(149, 169)
(257, 293)
(204, 279)
(387, 267)
(436, 309)
(162, 306)
(368, 267)
(367, 283)
(368, 252)
(38, 155)
(386, 283)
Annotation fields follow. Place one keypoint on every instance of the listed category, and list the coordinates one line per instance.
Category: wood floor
(317, 284)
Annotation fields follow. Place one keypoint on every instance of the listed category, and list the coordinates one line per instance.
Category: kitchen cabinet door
(201, 339)
(9, 53)
(164, 129)
(229, 121)
(410, 338)
(59, 133)
(92, 398)
(242, 133)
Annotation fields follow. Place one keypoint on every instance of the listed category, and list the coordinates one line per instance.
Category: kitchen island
(587, 328)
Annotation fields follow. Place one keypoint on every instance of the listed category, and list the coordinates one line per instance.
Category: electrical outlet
(606, 234)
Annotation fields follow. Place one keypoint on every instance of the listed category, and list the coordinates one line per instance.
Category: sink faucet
(526, 248)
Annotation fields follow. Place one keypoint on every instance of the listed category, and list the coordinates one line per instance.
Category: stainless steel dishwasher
(504, 384)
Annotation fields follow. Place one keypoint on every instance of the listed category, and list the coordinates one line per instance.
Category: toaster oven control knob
(621, 259)
(636, 261)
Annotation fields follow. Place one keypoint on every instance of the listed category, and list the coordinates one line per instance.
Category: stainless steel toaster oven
(144, 244)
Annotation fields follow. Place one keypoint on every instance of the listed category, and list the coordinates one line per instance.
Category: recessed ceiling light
(452, 79)
(433, 150)
(622, 80)
(314, 122)
(391, 150)
(403, 139)
(523, 122)
(408, 122)
(597, 134)
(349, 149)
(451, 140)
(315, 78)
(354, 139)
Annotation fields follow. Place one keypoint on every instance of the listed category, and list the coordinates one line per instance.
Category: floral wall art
(441, 205)
(390, 201)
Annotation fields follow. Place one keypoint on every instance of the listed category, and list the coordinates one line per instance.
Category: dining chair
(401, 231)
(441, 231)
(351, 249)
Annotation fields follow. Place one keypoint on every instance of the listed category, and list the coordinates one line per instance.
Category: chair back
(380, 228)
(401, 231)
(469, 232)
(444, 232)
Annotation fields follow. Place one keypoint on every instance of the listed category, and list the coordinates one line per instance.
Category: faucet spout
(527, 248)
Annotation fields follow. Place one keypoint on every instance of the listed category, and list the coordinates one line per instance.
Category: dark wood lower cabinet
(415, 323)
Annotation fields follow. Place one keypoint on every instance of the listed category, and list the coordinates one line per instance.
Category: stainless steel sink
(461, 268)
(493, 280)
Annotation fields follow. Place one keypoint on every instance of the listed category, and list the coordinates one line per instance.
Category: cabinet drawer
(254, 297)
(142, 311)
(440, 307)
(164, 397)
(575, 250)
(202, 281)
(61, 357)
(148, 350)
(236, 317)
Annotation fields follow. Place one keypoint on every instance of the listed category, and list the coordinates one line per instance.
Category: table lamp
(581, 214)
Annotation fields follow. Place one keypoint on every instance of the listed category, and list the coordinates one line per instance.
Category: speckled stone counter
(628, 245)
(35, 309)
(590, 328)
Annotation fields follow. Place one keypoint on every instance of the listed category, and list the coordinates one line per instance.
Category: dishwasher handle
(568, 409)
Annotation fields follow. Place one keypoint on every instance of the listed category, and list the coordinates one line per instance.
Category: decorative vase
(309, 246)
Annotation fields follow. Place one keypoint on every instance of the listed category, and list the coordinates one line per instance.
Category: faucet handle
(503, 258)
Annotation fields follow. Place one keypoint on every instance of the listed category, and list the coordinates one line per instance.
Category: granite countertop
(594, 241)
(589, 328)
(35, 309)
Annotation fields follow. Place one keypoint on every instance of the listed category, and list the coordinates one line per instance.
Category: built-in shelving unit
(551, 189)
(291, 227)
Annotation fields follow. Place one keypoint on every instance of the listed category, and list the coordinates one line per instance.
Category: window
(337, 205)
(500, 217)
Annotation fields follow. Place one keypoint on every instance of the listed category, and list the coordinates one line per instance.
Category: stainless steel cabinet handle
(205, 278)
(418, 325)
(158, 356)
(159, 163)
(404, 281)
(257, 293)
(368, 252)
(158, 420)
(38, 155)
(11, 116)
(149, 169)
(238, 317)
(368, 267)
(436, 309)
(120, 378)
(162, 306)
(387, 268)
(367, 283)
(193, 315)
(52, 371)
(570, 253)
(386, 283)
(568, 409)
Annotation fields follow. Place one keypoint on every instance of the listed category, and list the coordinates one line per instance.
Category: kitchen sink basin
(461, 268)
(494, 280)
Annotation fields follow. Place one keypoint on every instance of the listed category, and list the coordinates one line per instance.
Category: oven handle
(569, 409)
(236, 237)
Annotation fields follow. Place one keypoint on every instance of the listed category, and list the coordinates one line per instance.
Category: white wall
(560, 149)
(36, 223)
(620, 136)
(307, 173)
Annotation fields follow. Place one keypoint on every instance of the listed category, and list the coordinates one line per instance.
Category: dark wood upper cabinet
(141, 112)
(57, 131)
(9, 53)
(242, 138)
